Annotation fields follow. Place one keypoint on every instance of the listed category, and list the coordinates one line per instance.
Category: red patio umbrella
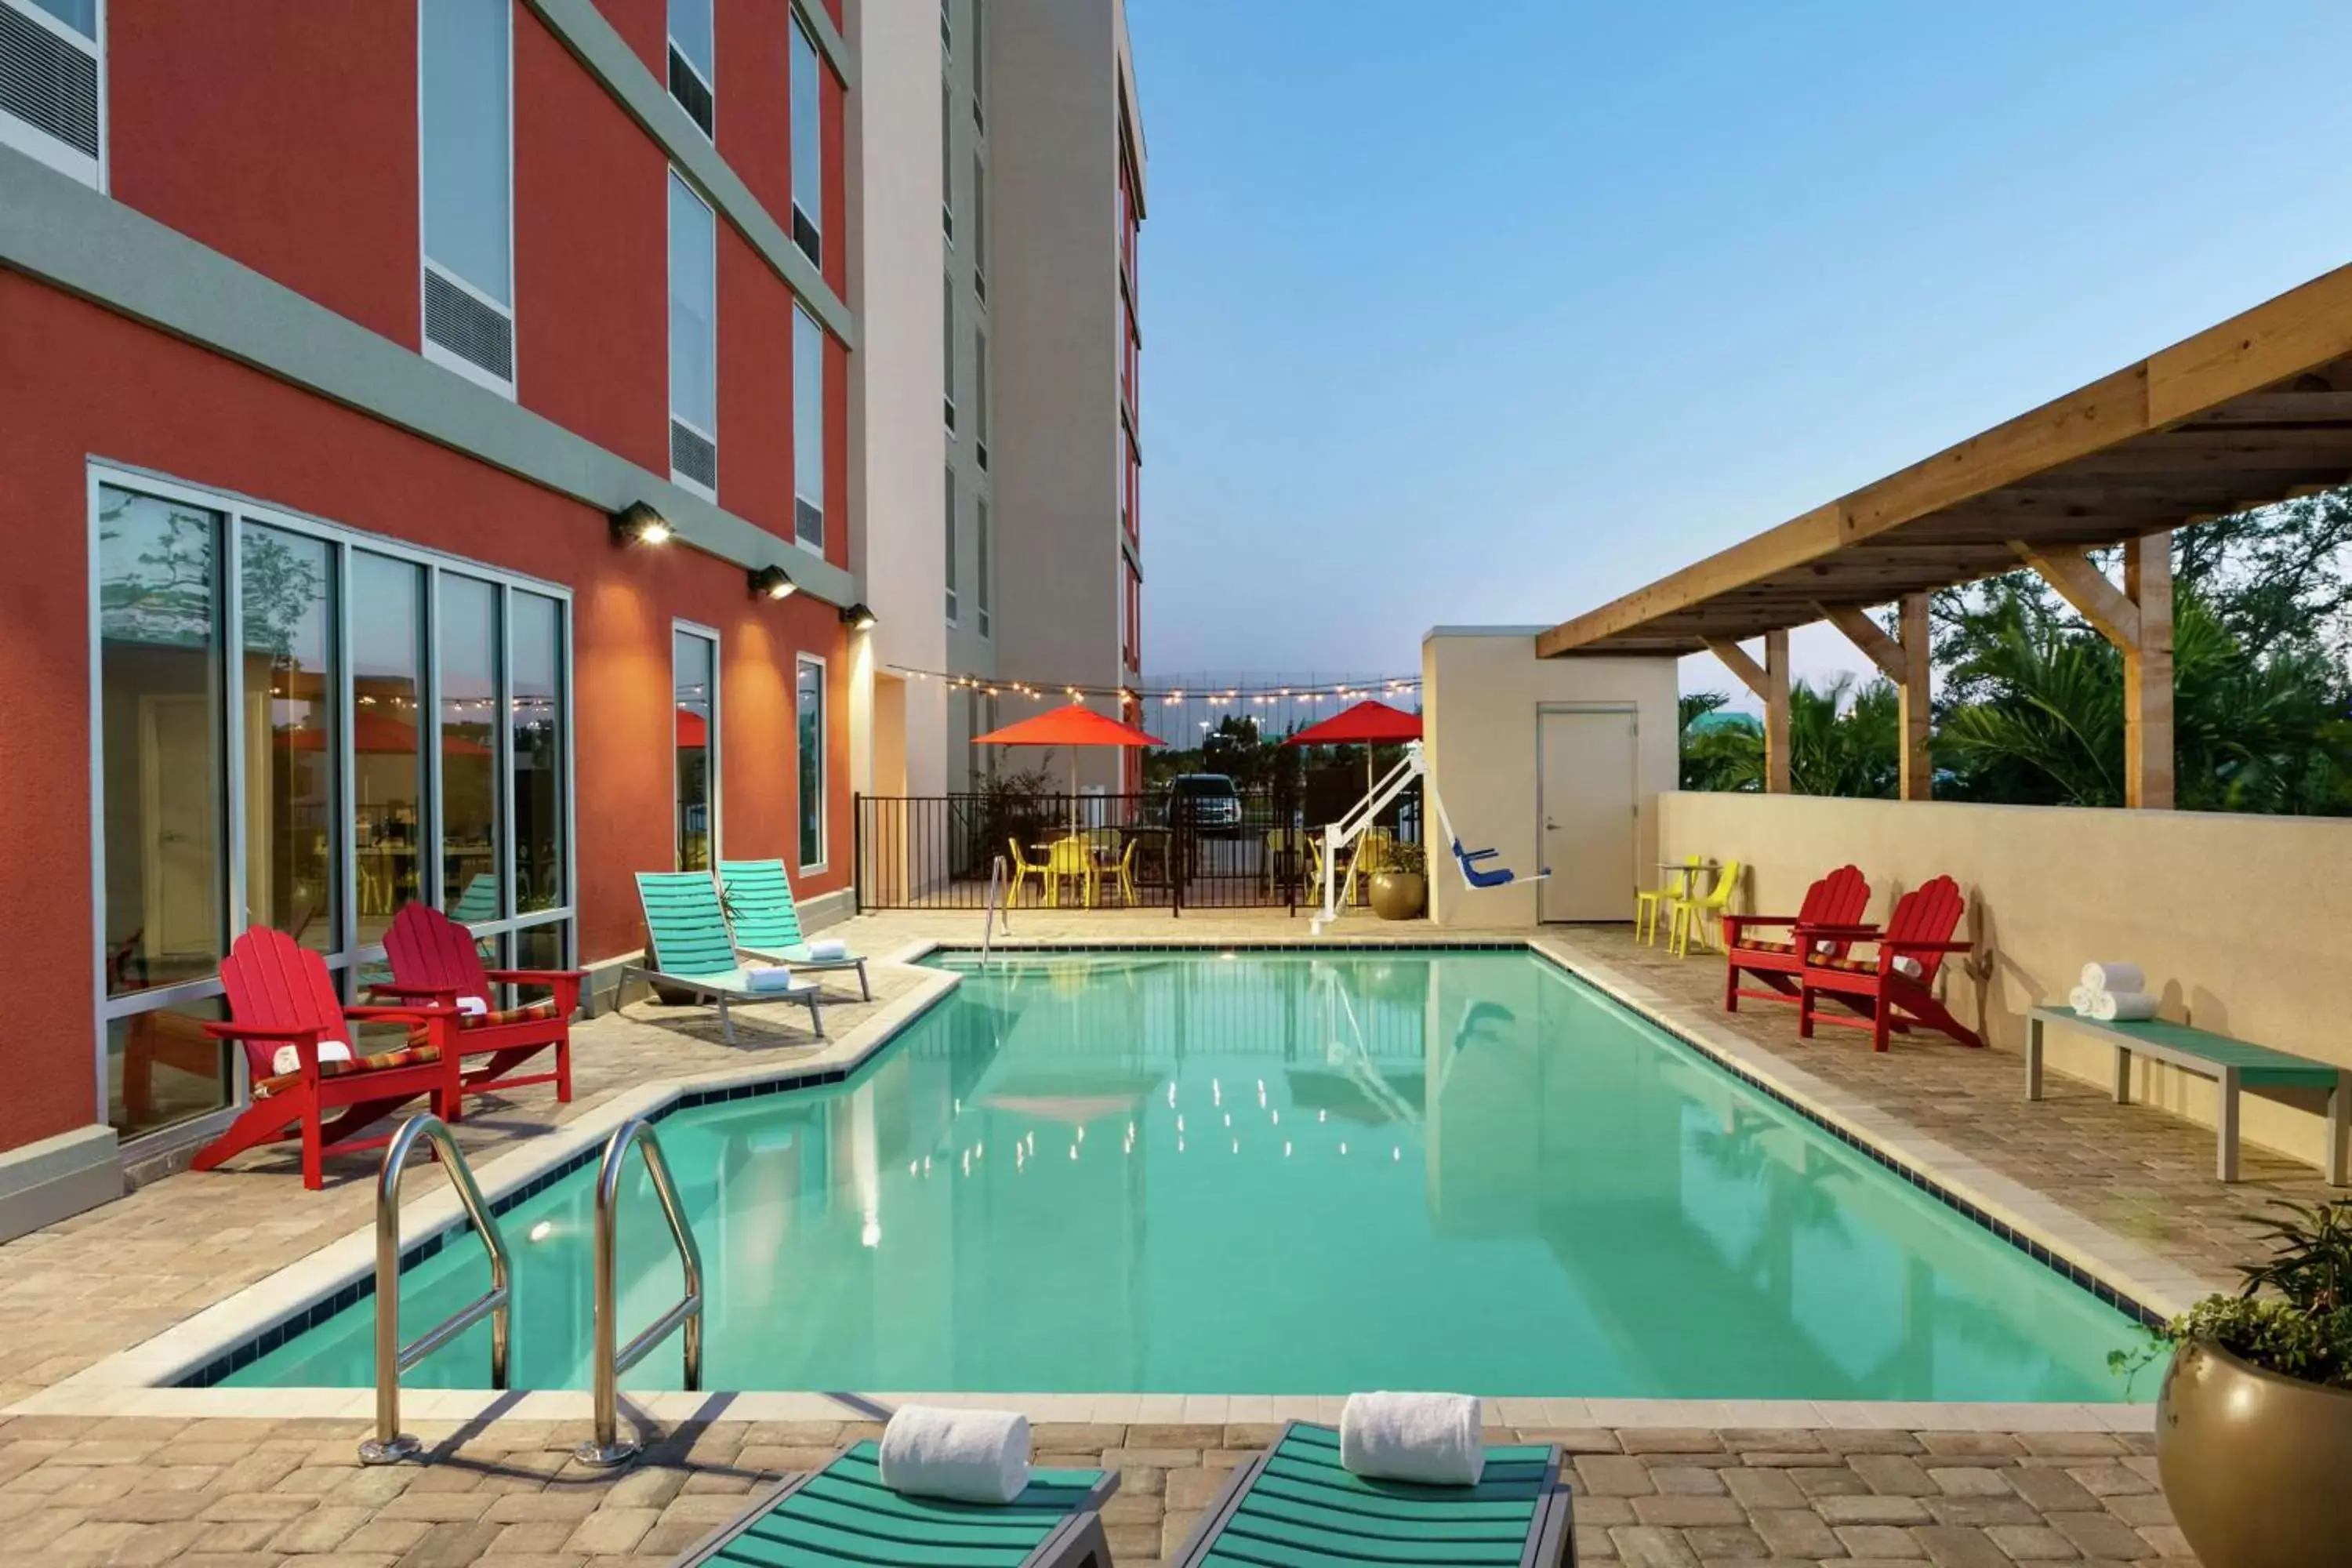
(1367, 723)
(1072, 726)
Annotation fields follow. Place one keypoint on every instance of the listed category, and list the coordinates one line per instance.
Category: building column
(2138, 620)
(1769, 682)
(1906, 661)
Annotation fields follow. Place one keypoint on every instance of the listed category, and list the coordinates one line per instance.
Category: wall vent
(475, 332)
(693, 456)
(48, 82)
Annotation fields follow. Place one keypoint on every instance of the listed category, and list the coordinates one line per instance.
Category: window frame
(800, 212)
(349, 957)
(39, 145)
(983, 597)
(673, 175)
(804, 322)
(710, 80)
(712, 750)
(425, 262)
(823, 761)
(948, 355)
(947, 528)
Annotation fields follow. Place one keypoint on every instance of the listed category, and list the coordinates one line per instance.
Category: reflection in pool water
(1281, 1173)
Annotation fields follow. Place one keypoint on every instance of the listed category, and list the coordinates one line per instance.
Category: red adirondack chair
(280, 995)
(434, 959)
(1837, 899)
(1883, 989)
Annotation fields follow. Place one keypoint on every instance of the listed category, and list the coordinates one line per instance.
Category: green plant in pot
(2253, 1427)
(1401, 888)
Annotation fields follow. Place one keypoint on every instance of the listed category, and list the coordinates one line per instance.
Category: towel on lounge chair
(2111, 974)
(825, 950)
(776, 978)
(1432, 1439)
(2108, 1006)
(288, 1059)
(967, 1455)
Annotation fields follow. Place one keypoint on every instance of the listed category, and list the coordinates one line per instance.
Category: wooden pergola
(2255, 410)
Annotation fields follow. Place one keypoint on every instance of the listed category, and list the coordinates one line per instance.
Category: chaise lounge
(689, 947)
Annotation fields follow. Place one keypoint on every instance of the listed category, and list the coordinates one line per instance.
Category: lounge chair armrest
(1771, 920)
(1890, 945)
(1472, 857)
(234, 1030)
(395, 988)
(1841, 933)
(394, 1014)
(533, 976)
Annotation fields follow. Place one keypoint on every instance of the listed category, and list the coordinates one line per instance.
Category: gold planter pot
(2257, 1466)
(1399, 895)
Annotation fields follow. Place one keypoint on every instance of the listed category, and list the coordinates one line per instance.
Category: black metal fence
(1160, 850)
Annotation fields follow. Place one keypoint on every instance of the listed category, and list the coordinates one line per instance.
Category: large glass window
(947, 352)
(695, 661)
(287, 725)
(980, 589)
(978, 229)
(809, 714)
(808, 147)
(947, 161)
(161, 700)
(979, 73)
(387, 615)
(535, 748)
(693, 336)
(693, 61)
(54, 108)
(468, 645)
(948, 532)
(808, 430)
(467, 172)
(293, 724)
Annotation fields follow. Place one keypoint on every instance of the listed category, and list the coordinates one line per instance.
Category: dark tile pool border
(237, 1357)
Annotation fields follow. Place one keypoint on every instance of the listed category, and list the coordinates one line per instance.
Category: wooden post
(2138, 621)
(1907, 665)
(2148, 675)
(1769, 682)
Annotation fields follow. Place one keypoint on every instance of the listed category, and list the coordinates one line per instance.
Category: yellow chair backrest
(1020, 859)
(1727, 885)
(1068, 857)
(1377, 850)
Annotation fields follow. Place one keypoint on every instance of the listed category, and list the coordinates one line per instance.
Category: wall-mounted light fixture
(639, 524)
(858, 617)
(771, 583)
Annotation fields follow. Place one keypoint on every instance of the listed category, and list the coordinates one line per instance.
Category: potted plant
(2253, 1427)
(1401, 888)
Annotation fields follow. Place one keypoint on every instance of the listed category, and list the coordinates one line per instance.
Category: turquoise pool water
(1276, 1173)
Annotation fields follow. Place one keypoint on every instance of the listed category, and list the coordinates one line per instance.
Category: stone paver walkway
(130, 1492)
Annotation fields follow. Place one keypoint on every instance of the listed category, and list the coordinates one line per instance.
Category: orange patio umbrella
(1072, 726)
(1365, 724)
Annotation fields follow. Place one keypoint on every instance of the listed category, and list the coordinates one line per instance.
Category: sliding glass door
(303, 727)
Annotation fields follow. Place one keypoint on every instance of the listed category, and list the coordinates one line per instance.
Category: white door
(1585, 796)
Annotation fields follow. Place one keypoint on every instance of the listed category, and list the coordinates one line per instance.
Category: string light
(1259, 695)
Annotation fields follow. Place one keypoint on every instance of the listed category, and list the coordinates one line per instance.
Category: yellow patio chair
(1122, 872)
(1022, 870)
(1073, 858)
(1691, 912)
(1648, 902)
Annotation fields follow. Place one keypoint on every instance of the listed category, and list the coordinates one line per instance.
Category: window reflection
(693, 659)
(536, 750)
(809, 712)
(289, 736)
(387, 603)
(159, 717)
(469, 688)
(162, 1068)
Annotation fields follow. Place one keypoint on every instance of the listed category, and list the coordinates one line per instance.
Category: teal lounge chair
(688, 948)
(479, 902)
(1294, 1504)
(767, 923)
(843, 1514)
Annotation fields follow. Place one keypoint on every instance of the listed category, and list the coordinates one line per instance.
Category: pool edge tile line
(200, 1350)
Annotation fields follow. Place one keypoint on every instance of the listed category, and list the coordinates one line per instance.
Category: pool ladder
(606, 1447)
(998, 912)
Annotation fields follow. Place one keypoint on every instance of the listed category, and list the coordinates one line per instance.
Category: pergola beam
(1906, 661)
(1769, 682)
(2136, 618)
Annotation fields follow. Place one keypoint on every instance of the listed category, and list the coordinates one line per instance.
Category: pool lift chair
(1475, 874)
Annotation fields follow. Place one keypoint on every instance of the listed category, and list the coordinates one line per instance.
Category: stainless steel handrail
(607, 1448)
(993, 913)
(391, 1444)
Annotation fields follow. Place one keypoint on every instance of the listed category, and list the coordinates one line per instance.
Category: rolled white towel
(826, 950)
(472, 1007)
(1909, 967)
(970, 1456)
(289, 1060)
(777, 979)
(2082, 998)
(1433, 1438)
(2113, 974)
(2131, 1006)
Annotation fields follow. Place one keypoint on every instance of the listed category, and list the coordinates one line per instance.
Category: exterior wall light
(773, 583)
(641, 524)
(858, 617)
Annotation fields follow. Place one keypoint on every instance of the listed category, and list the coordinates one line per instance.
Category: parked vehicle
(1205, 803)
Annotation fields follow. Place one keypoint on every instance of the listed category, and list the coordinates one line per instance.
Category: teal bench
(2233, 1064)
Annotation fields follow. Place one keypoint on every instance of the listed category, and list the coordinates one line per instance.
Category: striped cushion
(1757, 944)
(529, 1013)
(1848, 962)
(407, 1055)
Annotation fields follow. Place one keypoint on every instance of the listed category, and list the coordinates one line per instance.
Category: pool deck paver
(1844, 1484)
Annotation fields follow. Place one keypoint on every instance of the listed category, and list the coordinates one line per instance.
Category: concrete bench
(2233, 1064)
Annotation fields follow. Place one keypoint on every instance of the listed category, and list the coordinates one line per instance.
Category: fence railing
(1164, 851)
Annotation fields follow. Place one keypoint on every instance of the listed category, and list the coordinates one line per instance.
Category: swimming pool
(1276, 1171)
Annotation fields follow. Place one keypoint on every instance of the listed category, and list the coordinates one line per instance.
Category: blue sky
(1493, 313)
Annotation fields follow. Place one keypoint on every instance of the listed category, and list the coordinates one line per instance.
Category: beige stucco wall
(2239, 921)
(1482, 688)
